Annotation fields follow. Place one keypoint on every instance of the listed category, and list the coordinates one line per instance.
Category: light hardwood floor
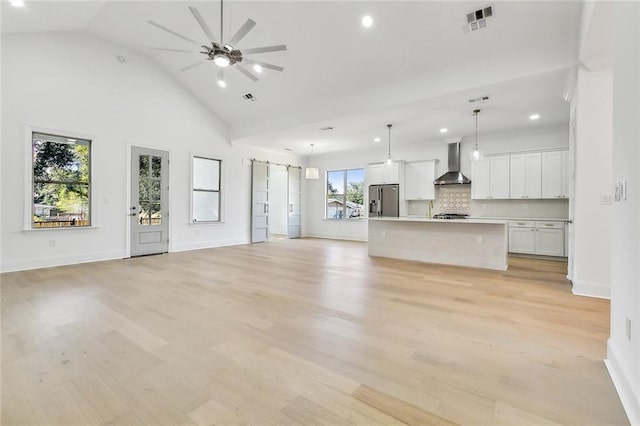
(301, 332)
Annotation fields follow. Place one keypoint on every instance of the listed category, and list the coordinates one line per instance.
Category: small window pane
(335, 207)
(335, 182)
(155, 190)
(156, 167)
(143, 191)
(355, 192)
(206, 174)
(143, 214)
(156, 214)
(143, 164)
(205, 206)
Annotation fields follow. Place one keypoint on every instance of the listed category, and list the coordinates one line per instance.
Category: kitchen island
(478, 243)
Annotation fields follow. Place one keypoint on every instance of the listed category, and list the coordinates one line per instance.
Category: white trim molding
(630, 400)
(598, 290)
(54, 261)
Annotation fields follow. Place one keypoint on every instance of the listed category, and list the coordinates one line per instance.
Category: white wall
(74, 83)
(592, 227)
(623, 353)
(507, 141)
(277, 199)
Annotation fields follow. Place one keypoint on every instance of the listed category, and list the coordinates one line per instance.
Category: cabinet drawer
(522, 224)
(550, 225)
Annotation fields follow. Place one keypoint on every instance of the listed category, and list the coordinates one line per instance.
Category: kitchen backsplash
(458, 200)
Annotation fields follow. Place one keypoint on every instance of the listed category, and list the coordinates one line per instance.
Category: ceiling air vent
(480, 99)
(249, 97)
(324, 129)
(477, 19)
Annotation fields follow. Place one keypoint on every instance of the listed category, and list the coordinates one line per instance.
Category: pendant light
(311, 172)
(389, 160)
(476, 154)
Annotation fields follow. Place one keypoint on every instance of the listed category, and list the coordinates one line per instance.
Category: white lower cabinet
(537, 237)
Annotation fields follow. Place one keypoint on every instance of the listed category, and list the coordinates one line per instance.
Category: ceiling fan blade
(263, 64)
(203, 24)
(188, 67)
(265, 49)
(164, 49)
(173, 32)
(243, 31)
(247, 72)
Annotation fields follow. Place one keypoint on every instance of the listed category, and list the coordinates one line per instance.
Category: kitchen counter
(535, 219)
(478, 243)
(481, 220)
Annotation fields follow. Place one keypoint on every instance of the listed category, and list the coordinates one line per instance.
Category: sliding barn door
(259, 201)
(295, 190)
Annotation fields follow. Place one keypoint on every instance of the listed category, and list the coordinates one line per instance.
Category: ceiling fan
(224, 53)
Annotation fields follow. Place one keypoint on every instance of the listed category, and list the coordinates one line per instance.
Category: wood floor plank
(303, 331)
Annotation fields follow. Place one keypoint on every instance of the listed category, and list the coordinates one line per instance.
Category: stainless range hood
(454, 176)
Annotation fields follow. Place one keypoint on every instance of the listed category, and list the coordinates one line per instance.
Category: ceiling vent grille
(477, 19)
(480, 99)
(249, 97)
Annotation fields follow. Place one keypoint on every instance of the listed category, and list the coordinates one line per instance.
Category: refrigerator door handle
(379, 211)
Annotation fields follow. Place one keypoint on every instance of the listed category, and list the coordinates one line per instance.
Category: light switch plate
(623, 190)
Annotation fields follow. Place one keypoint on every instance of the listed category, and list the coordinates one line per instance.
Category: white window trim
(29, 130)
(222, 190)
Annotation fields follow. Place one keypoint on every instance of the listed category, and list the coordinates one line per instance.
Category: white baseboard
(199, 245)
(49, 262)
(591, 289)
(630, 401)
(335, 237)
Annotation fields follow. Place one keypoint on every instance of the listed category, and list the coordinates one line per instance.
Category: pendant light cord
(389, 153)
(475, 112)
(221, 39)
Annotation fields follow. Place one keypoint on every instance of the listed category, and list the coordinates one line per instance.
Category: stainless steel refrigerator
(383, 200)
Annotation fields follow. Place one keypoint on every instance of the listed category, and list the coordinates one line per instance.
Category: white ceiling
(415, 67)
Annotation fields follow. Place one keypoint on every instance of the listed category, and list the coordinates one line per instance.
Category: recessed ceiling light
(257, 68)
(367, 21)
(17, 3)
(376, 139)
(444, 130)
(534, 116)
(222, 83)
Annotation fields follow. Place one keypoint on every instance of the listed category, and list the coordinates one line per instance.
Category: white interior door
(259, 201)
(295, 191)
(148, 211)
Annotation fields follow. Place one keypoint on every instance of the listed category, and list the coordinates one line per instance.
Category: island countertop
(426, 219)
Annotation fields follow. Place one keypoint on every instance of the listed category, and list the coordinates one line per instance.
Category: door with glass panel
(148, 211)
(259, 201)
(293, 217)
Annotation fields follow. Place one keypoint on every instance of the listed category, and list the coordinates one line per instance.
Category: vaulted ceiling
(415, 66)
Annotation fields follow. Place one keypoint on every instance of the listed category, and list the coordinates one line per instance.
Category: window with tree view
(345, 193)
(61, 181)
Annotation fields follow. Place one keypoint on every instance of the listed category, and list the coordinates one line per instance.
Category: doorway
(149, 204)
(277, 201)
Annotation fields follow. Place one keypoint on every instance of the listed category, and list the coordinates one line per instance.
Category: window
(206, 190)
(61, 181)
(345, 193)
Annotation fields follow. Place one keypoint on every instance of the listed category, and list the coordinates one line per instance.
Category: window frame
(29, 182)
(346, 188)
(219, 191)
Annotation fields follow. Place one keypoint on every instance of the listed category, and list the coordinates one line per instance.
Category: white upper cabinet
(555, 174)
(525, 175)
(480, 179)
(419, 177)
(490, 178)
(383, 173)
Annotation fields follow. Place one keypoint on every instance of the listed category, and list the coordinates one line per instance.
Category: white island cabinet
(537, 237)
(478, 243)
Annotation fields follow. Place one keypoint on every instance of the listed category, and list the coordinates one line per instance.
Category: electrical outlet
(480, 239)
(616, 192)
(605, 199)
(623, 190)
(627, 328)
(52, 243)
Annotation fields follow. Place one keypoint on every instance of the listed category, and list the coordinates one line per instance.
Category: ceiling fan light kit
(223, 53)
